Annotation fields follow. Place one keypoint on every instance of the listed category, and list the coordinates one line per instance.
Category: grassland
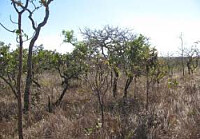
(174, 111)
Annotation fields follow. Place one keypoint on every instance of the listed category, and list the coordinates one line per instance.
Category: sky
(160, 20)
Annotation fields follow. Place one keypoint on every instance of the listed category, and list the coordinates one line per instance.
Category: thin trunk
(101, 107)
(49, 104)
(111, 79)
(10, 85)
(183, 68)
(128, 82)
(115, 83)
(27, 93)
(19, 100)
(182, 54)
(61, 96)
(147, 87)
(36, 83)
(188, 66)
(135, 86)
(27, 97)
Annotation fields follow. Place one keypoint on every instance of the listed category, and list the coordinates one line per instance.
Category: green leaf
(17, 31)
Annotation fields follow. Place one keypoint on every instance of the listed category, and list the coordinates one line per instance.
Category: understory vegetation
(112, 85)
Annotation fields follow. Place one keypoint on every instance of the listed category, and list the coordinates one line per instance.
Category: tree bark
(182, 55)
(27, 94)
(128, 82)
(61, 96)
(115, 83)
(147, 88)
(101, 105)
(20, 124)
(111, 79)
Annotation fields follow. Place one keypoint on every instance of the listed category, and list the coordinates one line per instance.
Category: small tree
(99, 80)
(41, 62)
(10, 73)
(192, 59)
(110, 43)
(182, 54)
(158, 71)
(29, 6)
(133, 57)
(72, 65)
(20, 8)
(171, 63)
(150, 59)
(37, 28)
(8, 67)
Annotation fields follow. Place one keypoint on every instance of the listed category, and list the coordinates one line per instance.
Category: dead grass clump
(54, 126)
(8, 110)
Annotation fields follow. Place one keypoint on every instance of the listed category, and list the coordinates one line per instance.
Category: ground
(174, 111)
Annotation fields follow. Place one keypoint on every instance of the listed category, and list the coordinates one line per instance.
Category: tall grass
(174, 112)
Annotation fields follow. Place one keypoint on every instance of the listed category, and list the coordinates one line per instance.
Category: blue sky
(160, 20)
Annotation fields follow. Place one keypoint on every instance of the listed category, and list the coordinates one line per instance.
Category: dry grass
(173, 112)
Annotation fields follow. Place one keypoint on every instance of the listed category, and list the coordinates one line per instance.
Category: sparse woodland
(113, 85)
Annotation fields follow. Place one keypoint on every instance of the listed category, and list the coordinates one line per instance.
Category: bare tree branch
(14, 5)
(31, 19)
(12, 20)
(10, 85)
(12, 31)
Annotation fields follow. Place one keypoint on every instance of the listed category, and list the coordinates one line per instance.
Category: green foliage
(42, 59)
(8, 62)
(69, 36)
(89, 131)
(17, 32)
(172, 83)
(158, 71)
(24, 35)
(135, 53)
(71, 65)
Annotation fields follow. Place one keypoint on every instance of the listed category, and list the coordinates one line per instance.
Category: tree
(150, 60)
(192, 59)
(20, 9)
(37, 28)
(158, 71)
(30, 6)
(9, 71)
(171, 63)
(110, 43)
(8, 67)
(99, 80)
(182, 54)
(134, 54)
(41, 62)
(70, 66)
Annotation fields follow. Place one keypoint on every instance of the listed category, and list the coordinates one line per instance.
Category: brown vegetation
(174, 111)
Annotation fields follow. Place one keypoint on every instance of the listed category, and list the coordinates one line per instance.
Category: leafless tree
(182, 54)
